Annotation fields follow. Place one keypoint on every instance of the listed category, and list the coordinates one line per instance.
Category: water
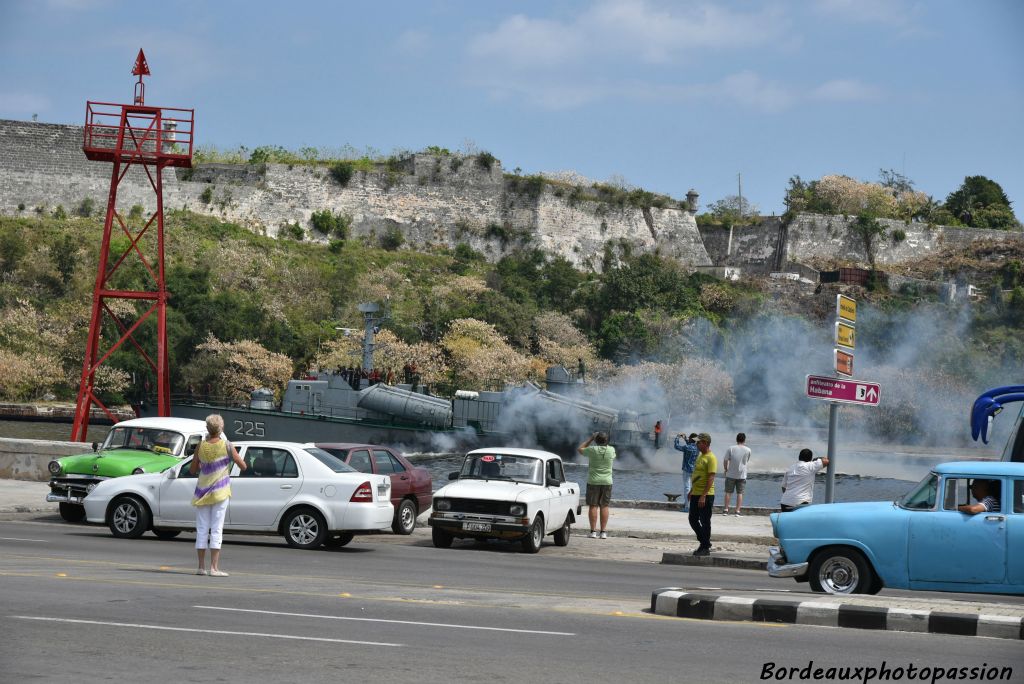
(763, 489)
(865, 472)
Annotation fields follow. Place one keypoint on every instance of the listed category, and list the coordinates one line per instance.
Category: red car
(411, 486)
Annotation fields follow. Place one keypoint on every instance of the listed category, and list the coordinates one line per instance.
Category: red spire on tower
(141, 68)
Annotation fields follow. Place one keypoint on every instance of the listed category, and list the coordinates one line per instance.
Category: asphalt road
(79, 605)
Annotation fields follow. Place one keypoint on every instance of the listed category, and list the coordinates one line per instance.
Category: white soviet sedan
(307, 495)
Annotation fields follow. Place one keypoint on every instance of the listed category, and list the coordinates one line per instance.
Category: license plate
(476, 527)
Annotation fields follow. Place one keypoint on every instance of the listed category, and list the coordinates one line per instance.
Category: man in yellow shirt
(702, 494)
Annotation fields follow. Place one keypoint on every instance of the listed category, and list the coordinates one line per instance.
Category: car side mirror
(453, 476)
(95, 446)
(172, 473)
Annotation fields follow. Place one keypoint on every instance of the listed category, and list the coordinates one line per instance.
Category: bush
(85, 207)
(59, 213)
(206, 196)
(329, 223)
(342, 172)
(530, 186)
(455, 164)
(485, 160)
(293, 231)
(392, 239)
(135, 213)
(899, 235)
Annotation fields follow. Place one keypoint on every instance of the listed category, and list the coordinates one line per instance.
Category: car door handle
(997, 518)
(286, 486)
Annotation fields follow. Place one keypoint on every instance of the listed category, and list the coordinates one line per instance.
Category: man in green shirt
(702, 494)
(599, 481)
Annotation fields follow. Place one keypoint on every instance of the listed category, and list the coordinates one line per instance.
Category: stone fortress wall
(440, 201)
(433, 200)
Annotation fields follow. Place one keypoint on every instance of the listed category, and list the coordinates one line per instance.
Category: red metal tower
(152, 138)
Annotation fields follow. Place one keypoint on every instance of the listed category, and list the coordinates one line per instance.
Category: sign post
(842, 389)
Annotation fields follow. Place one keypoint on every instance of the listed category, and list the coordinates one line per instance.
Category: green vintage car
(140, 445)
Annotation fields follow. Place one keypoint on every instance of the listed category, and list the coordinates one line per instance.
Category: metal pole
(830, 473)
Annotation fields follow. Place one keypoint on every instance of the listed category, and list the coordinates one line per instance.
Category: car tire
(405, 518)
(72, 512)
(129, 518)
(441, 539)
(841, 571)
(339, 540)
(533, 539)
(305, 528)
(166, 534)
(564, 532)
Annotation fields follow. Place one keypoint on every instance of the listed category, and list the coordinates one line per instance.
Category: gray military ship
(325, 406)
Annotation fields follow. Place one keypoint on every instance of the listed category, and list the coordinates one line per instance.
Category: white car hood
(487, 490)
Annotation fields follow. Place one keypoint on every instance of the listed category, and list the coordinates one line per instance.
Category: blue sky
(666, 95)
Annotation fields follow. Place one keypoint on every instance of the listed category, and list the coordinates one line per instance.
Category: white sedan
(506, 493)
(296, 490)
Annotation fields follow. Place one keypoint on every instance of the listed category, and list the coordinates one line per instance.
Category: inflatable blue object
(988, 405)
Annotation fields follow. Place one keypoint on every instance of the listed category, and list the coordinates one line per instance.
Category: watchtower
(151, 139)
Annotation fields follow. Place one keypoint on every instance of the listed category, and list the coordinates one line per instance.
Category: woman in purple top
(212, 462)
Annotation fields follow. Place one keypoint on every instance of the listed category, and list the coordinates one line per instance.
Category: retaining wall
(26, 459)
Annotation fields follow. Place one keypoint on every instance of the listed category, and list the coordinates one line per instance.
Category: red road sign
(845, 391)
(843, 362)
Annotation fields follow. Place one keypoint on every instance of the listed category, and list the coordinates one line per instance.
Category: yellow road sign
(845, 335)
(846, 308)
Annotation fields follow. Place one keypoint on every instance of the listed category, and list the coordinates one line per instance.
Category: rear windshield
(329, 460)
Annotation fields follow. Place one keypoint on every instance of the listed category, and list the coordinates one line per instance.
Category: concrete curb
(677, 602)
(715, 561)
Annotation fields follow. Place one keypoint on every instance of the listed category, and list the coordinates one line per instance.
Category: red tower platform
(152, 138)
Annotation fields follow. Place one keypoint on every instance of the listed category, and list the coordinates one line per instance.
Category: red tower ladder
(151, 138)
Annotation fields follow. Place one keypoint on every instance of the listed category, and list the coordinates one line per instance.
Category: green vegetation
(342, 172)
(206, 196)
(329, 223)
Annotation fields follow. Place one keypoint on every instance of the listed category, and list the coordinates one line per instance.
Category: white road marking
(203, 631)
(20, 539)
(395, 622)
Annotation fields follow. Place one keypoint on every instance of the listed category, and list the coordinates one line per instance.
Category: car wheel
(405, 518)
(841, 571)
(129, 518)
(305, 529)
(72, 512)
(442, 539)
(564, 532)
(166, 534)
(533, 538)
(339, 540)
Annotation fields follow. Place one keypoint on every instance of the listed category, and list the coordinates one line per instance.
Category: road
(79, 605)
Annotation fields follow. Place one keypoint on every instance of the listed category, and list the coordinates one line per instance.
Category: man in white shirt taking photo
(798, 482)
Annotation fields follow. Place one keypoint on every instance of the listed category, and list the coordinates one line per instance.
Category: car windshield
(145, 439)
(922, 497)
(330, 460)
(503, 467)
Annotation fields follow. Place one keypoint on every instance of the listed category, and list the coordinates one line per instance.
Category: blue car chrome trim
(777, 566)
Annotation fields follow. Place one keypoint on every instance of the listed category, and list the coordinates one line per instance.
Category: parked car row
(318, 494)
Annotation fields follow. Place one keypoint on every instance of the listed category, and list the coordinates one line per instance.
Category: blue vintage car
(918, 542)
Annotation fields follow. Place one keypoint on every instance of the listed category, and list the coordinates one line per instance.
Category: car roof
(515, 451)
(166, 423)
(981, 468)
(270, 443)
(349, 445)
